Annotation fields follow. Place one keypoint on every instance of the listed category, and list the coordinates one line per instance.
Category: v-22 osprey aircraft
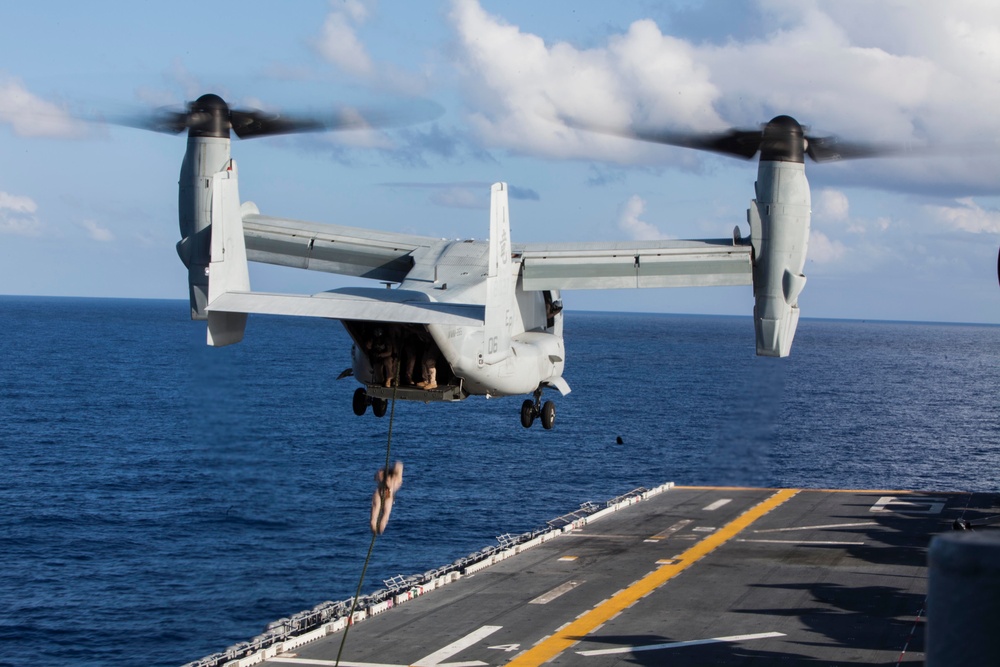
(471, 317)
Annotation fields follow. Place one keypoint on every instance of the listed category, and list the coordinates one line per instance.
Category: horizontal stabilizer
(370, 304)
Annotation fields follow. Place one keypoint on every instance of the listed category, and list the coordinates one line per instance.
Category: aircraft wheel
(548, 415)
(360, 403)
(527, 413)
(379, 407)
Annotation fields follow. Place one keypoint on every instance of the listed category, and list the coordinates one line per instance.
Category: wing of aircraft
(351, 251)
(670, 263)
(391, 256)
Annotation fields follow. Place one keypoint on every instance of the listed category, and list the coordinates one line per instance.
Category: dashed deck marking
(670, 531)
(693, 642)
(563, 639)
(546, 598)
(717, 504)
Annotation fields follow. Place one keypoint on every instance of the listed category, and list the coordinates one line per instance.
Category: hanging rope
(383, 489)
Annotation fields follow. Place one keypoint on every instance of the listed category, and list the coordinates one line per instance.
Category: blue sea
(163, 500)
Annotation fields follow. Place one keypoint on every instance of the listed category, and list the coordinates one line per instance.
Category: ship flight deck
(682, 576)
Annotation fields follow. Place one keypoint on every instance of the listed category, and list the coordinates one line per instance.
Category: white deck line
(274, 651)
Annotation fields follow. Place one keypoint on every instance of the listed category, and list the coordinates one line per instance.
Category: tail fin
(499, 280)
(228, 270)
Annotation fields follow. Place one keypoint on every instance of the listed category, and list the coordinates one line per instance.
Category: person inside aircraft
(388, 481)
(552, 308)
(410, 351)
(383, 354)
(429, 370)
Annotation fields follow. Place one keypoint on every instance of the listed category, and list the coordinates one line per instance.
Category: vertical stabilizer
(228, 270)
(499, 281)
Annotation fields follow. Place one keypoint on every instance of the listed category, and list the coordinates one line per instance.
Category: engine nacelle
(204, 157)
(779, 233)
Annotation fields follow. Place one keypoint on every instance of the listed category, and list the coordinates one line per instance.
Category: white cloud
(30, 116)
(900, 73)
(96, 232)
(338, 42)
(629, 221)
(521, 86)
(968, 216)
(17, 203)
(823, 249)
(17, 216)
(831, 204)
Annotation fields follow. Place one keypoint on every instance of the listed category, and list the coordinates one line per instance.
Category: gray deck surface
(806, 577)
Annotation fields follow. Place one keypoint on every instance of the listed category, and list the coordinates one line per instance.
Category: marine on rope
(389, 479)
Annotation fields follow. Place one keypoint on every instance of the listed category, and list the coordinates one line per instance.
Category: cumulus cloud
(17, 203)
(521, 87)
(97, 232)
(17, 215)
(30, 116)
(910, 74)
(823, 249)
(968, 216)
(630, 222)
(831, 204)
(339, 43)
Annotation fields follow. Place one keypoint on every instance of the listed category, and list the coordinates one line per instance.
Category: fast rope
(382, 491)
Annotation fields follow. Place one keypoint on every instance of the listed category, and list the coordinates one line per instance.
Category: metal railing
(287, 628)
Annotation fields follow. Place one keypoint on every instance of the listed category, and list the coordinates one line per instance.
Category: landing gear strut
(534, 408)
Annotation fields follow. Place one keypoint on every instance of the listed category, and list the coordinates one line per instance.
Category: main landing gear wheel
(379, 407)
(360, 403)
(534, 408)
(548, 415)
(527, 413)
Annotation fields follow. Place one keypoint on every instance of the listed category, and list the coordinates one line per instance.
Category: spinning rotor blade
(739, 143)
(210, 116)
(827, 149)
(783, 138)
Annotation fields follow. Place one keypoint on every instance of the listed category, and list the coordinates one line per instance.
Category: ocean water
(163, 500)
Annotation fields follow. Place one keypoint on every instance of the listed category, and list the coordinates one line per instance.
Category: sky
(89, 209)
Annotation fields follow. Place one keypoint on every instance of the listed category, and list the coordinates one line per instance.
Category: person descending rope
(389, 480)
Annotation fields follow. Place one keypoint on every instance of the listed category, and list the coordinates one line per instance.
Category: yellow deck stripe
(563, 639)
(758, 488)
